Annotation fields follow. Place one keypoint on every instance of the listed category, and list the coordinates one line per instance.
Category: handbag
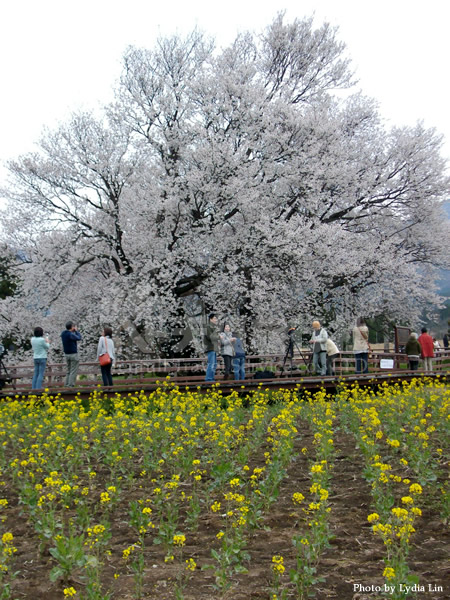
(105, 359)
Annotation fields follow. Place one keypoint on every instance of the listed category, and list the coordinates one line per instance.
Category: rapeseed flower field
(267, 495)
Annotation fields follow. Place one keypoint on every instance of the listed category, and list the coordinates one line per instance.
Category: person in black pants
(106, 346)
(227, 340)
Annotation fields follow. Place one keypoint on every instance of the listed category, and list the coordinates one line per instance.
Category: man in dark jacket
(70, 338)
(211, 342)
(445, 340)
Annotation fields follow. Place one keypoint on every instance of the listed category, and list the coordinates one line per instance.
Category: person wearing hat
(413, 349)
(319, 347)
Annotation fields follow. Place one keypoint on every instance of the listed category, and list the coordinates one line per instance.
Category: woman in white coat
(361, 346)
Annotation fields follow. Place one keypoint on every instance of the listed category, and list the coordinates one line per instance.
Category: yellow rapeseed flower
(179, 540)
(298, 498)
(316, 469)
(191, 565)
(7, 538)
(278, 566)
(407, 500)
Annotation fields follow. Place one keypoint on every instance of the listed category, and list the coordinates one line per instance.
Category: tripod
(292, 344)
(5, 377)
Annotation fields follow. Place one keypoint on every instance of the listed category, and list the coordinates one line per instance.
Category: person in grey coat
(319, 347)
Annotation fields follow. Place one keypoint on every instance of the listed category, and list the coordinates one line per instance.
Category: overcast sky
(61, 55)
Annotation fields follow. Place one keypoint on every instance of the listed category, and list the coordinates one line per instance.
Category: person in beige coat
(361, 346)
(332, 354)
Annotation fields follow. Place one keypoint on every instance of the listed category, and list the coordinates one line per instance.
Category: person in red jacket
(426, 343)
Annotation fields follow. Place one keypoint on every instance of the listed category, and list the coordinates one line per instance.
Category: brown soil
(354, 558)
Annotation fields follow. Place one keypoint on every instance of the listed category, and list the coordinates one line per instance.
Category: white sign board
(387, 363)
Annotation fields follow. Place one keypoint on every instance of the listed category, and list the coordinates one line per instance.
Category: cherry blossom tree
(232, 180)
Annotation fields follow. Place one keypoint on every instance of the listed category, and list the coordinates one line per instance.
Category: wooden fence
(192, 370)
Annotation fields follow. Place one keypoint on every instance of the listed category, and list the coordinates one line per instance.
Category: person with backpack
(70, 338)
(239, 359)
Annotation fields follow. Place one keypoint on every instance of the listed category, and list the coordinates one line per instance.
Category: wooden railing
(134, 372)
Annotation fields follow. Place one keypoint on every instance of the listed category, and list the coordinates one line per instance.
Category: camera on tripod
(291, 347)
(292, 334)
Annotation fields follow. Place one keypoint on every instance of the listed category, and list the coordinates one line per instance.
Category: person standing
(427, 353)
(106, 346)
(40, 347)
(70, 338)
(211, 344)
(239, 359)
(332, 353)
(226, 348)
(319, 347)
(413, 350)
(361, 346)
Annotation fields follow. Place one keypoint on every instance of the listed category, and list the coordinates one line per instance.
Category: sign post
(401, 337)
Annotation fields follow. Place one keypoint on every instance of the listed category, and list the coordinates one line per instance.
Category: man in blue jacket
(70, 338)
(239, 359)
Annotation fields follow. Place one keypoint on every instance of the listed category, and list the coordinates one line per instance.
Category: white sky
(61, 55)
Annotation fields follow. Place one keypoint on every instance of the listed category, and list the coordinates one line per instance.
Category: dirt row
(354, 559)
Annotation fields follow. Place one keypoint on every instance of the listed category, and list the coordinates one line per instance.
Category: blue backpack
(239, 351)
